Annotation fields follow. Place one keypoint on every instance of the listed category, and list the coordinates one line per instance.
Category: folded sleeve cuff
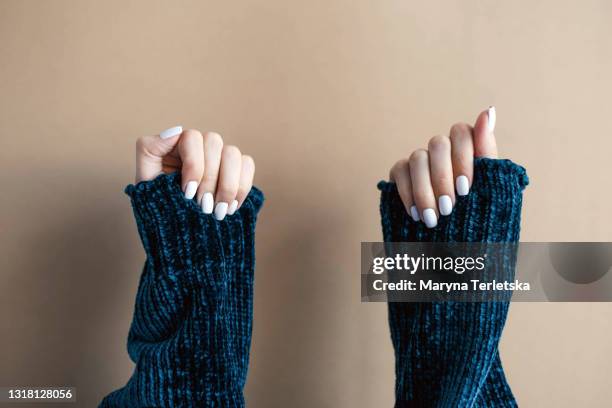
(490, 212)
(176, 233)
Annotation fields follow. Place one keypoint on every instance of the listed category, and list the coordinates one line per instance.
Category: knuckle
(438, 143)
(213, 140)
(397, 168)
(418, 155)
(192, 133)
(400, 164)
(460, 129)
(231, 150)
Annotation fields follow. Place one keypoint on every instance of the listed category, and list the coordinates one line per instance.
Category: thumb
(150, 151)
(484, 138)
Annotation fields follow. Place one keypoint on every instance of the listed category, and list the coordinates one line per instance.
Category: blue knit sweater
(446, 354)
(191, 331)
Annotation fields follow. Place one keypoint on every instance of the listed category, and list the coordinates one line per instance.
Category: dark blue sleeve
(191, 331)
(446, 354)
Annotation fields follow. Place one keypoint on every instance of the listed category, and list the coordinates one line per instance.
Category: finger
(150, 150)
(462, 153)
(400, 175)
(422, 190)
(229, 177)
(213, 145)
(191, 152)
(441, 168)
(245, 184)
(484, 137)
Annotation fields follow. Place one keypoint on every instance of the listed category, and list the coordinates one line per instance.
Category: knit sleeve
(191, 330)
(446, 352)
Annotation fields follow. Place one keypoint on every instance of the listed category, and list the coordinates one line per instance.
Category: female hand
(428, 180)
(218, 176)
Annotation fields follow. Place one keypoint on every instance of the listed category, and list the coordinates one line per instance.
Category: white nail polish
(232, 207)
(208, 203)
(445, 203)
(462, 184)
(491, 119)
(173, 131)
(429, 217)
(414, 213)
(220, 211)
(190, 189)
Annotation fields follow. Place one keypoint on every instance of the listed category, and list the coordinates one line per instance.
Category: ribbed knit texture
(191, 332)
(446, 353)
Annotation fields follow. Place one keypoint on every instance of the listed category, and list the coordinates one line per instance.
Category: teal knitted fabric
(446, 353)
(191, 332)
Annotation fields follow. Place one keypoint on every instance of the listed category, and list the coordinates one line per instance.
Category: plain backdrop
(326, 95)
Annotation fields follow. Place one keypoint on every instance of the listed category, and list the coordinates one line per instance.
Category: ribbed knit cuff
(489, 213)
(177, 236)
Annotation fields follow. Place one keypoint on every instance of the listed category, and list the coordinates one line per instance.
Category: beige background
(325, 95)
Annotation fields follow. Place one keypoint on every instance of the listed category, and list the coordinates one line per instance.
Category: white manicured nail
(173, 131)
(491, 119)
(208, 203)
(414, 213)
(232, 207)
(220, 211)
(462, 184)
(190, 189)
(445, 203)
(429, 217)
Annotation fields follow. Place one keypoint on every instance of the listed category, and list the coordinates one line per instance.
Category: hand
(219, 177)
(425, 180)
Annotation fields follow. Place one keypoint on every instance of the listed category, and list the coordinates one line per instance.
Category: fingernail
(208, 202)
(429, 217)
(190, 189)
(173, 131)
(462, 184)
(232, 207)
(220, 211)
(414, 213)
(445, 203)
(491, 119)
